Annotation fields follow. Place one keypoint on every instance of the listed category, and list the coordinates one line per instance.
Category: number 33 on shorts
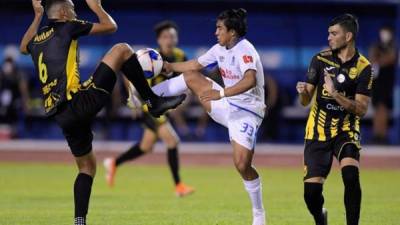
(248, 129)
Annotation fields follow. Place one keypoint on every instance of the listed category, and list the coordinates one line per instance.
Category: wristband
(222, 93)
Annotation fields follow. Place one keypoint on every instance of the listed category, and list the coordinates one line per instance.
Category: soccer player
(154, 128)
(339, 83)
(240, 105)
(54, 51)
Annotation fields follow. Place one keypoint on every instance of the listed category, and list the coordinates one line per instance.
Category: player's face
(222, 33)
(338, 37)
(168, 38)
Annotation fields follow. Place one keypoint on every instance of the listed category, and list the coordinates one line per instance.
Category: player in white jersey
(239, 106)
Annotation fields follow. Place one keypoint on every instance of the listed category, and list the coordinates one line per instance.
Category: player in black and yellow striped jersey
(55, 52)
(154, 128)
(338, 85)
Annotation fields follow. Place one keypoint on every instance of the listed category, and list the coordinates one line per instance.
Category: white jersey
(233, 63)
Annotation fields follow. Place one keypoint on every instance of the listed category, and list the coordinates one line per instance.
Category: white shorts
(242, 124)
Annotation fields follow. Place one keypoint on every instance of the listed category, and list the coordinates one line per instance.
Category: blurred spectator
(383, 56)
(14, 96)
(269, 128)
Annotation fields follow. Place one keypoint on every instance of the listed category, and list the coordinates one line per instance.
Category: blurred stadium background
(287, 33)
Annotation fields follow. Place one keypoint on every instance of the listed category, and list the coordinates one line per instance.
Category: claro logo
(334, 107)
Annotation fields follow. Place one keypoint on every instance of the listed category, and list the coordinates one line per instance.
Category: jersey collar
(239, 40)
(351, 61)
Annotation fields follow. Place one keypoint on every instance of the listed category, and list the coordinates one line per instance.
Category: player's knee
(123, 49)
(242, 166)
(146, 147)
(350, 175)
(87, 166)
(190, 76)
(172, 142)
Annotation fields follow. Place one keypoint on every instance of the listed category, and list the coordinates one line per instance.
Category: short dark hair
(49, 3)
(164, 25)
(388, 28)
(235, 19)
(348, 21)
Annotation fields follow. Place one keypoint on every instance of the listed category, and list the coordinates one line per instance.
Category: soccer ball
(151, 62)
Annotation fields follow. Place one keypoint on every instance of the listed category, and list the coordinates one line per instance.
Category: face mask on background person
(7, 68)
(385, 36)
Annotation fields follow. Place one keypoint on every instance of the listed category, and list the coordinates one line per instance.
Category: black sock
(352, 194)
(134, 72)
(82, 190)
(314, 200)
(130, 154)
(173, 163)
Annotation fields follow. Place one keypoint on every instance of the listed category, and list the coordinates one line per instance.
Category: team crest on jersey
(353, 73)
(247, 59)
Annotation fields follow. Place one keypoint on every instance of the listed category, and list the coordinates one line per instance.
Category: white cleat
(259, 217)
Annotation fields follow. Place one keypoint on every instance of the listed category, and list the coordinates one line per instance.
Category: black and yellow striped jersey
(55, 53)
(178, 55)
(327, 118)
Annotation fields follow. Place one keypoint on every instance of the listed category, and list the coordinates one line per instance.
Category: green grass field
(40, 194)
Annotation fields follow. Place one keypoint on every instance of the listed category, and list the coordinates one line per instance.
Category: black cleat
(161, 105)
(325, 215)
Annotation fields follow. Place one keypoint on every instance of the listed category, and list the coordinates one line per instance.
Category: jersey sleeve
(247, 61)
(79, 28)
(312, 71)
(209, 57)
(364, 83)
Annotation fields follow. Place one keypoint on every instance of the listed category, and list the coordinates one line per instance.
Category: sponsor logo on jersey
(325, 93)
(225, 73)
(333, 107)
(43, 36)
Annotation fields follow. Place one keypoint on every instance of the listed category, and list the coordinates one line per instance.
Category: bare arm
(33, 28)
(249, 81)
(106, 23)
(306, 92)
(359, 106)
(181, 67)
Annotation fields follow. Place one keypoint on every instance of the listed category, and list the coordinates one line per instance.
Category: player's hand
(94, 5)
(301, 87)
(329, 86)
(210, 95)
(37, 7)
(93, 2)
(167, 69)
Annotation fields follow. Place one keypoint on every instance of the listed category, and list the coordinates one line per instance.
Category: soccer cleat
(182, 190)
(160, 105)
(109, 165)
(258, 217)
(325, 215)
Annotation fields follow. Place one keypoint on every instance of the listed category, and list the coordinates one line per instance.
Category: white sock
(171, 87)
(253, 187)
